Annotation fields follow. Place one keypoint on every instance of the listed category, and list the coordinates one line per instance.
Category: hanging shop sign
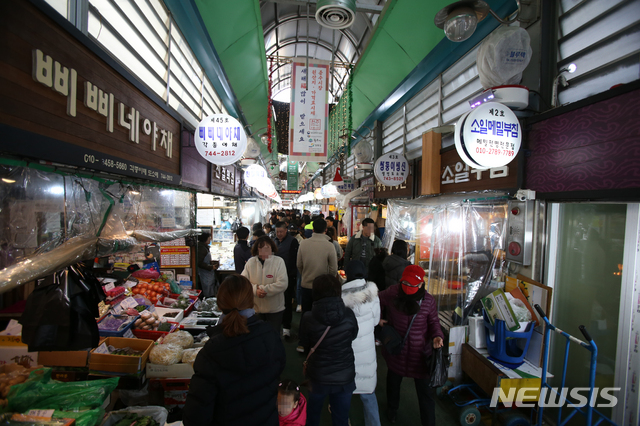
(347, 186)
(404, 190)
(220, 139)
(256, 176)
(308, 129)
(488, 136)
(292, 175)
(391, 169)
(69, 106)
(457, 176)
(223, 180)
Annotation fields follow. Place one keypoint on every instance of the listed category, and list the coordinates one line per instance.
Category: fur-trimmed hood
(358, 292)
(372, 237)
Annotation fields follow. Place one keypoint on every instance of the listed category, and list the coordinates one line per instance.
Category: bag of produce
(180, 338)
(165, 354)
(149, 416)
(189, 355)
(50, 394)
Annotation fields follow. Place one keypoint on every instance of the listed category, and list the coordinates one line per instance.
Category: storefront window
(588, 277)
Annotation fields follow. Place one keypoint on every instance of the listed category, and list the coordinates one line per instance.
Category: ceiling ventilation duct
(336, 14)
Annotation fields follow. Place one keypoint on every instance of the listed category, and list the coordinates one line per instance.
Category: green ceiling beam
(235, 28)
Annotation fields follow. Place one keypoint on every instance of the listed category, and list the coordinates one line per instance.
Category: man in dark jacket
(362, 245)
(331, 368)
(395, 263)
(242, 251)
(206, 270)
(288, 251)
(246, 369)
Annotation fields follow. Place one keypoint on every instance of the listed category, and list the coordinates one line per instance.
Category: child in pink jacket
(292, 405)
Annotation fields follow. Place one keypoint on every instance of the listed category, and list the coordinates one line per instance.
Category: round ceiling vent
(336, 14)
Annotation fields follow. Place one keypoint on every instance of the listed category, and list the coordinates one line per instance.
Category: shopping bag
(438, 364)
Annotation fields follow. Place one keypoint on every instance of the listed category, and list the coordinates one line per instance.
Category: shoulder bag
(313, 349)
(391, 339)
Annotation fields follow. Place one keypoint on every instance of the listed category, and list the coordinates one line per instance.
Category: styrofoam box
(161, 311)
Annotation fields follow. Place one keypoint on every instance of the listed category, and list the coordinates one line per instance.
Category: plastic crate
(121, 333)
(154, 334)
(192, 297)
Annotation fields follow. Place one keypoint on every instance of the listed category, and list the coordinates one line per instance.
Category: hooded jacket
(236, 379)
(412, 360)
(298, 417)
(393, 268)
(272, 278)
(316, 256)
(362, 298)
(333, 362)
(354, 248)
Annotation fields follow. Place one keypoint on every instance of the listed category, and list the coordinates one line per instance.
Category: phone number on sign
(494, 151)
(114, 164)
(220, 153)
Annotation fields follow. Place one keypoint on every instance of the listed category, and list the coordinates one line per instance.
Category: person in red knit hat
(292, 405)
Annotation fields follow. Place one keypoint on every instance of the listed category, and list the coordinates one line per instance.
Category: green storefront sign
(292, 175)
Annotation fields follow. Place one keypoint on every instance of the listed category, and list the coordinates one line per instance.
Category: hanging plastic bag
(438, 364)
(503, 56)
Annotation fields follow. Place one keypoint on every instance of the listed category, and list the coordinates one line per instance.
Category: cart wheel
(470, 416)
(444, 389)
(515, 419)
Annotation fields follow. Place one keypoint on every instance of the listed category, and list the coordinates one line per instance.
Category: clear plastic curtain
(50, 220)
(458, 240)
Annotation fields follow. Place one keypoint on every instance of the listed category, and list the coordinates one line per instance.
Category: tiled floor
(408, 414)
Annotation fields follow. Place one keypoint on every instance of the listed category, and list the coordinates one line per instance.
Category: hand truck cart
(587, 411)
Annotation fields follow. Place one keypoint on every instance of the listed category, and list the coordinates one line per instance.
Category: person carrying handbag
(330, 369)
(413, 313)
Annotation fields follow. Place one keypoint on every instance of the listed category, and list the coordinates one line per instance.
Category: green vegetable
(165, 326)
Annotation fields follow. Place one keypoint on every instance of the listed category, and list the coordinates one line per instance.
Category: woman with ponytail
(237, 371)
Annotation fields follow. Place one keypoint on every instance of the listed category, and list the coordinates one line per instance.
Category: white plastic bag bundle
(503, 56)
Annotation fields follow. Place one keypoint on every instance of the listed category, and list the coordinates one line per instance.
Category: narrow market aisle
(408, 414)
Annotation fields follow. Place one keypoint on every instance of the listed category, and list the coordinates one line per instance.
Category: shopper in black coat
(331, 368)
(237, 372)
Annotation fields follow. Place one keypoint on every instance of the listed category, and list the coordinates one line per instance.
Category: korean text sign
(308, 129)
(488, 136)
(220, 139)
(391, 169)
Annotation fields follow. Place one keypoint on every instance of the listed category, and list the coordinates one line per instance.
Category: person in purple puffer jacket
(398, 304)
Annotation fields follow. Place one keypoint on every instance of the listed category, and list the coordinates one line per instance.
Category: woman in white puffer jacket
(361, 297)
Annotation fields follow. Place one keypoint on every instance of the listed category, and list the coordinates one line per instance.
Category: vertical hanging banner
(308, 122)
(292, 175)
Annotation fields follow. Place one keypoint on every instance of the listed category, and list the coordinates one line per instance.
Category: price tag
(130, 284)
(109, 287)
(102, 349)
(129, 302)
(45, 414)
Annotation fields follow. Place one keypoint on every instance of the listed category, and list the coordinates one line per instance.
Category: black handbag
(438, 364)
(391, 339)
